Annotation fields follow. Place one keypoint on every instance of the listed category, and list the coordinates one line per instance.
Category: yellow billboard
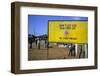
(68, 31)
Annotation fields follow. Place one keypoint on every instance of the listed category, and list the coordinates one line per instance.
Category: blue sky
(38, 24)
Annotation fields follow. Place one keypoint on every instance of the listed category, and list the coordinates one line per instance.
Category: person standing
(72, 50)
(38, 43)
(46, 43)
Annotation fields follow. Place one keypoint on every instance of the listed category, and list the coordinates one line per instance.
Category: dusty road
(50, 53)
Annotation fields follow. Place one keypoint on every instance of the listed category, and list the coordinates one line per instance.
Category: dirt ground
(49, 53)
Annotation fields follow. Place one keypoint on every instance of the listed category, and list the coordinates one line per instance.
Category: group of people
(37, 42)
(73, 53)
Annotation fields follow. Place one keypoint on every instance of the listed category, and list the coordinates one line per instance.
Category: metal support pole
(76, 49)
(86, 51)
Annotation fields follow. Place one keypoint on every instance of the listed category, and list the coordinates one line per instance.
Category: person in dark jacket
(72, 50)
